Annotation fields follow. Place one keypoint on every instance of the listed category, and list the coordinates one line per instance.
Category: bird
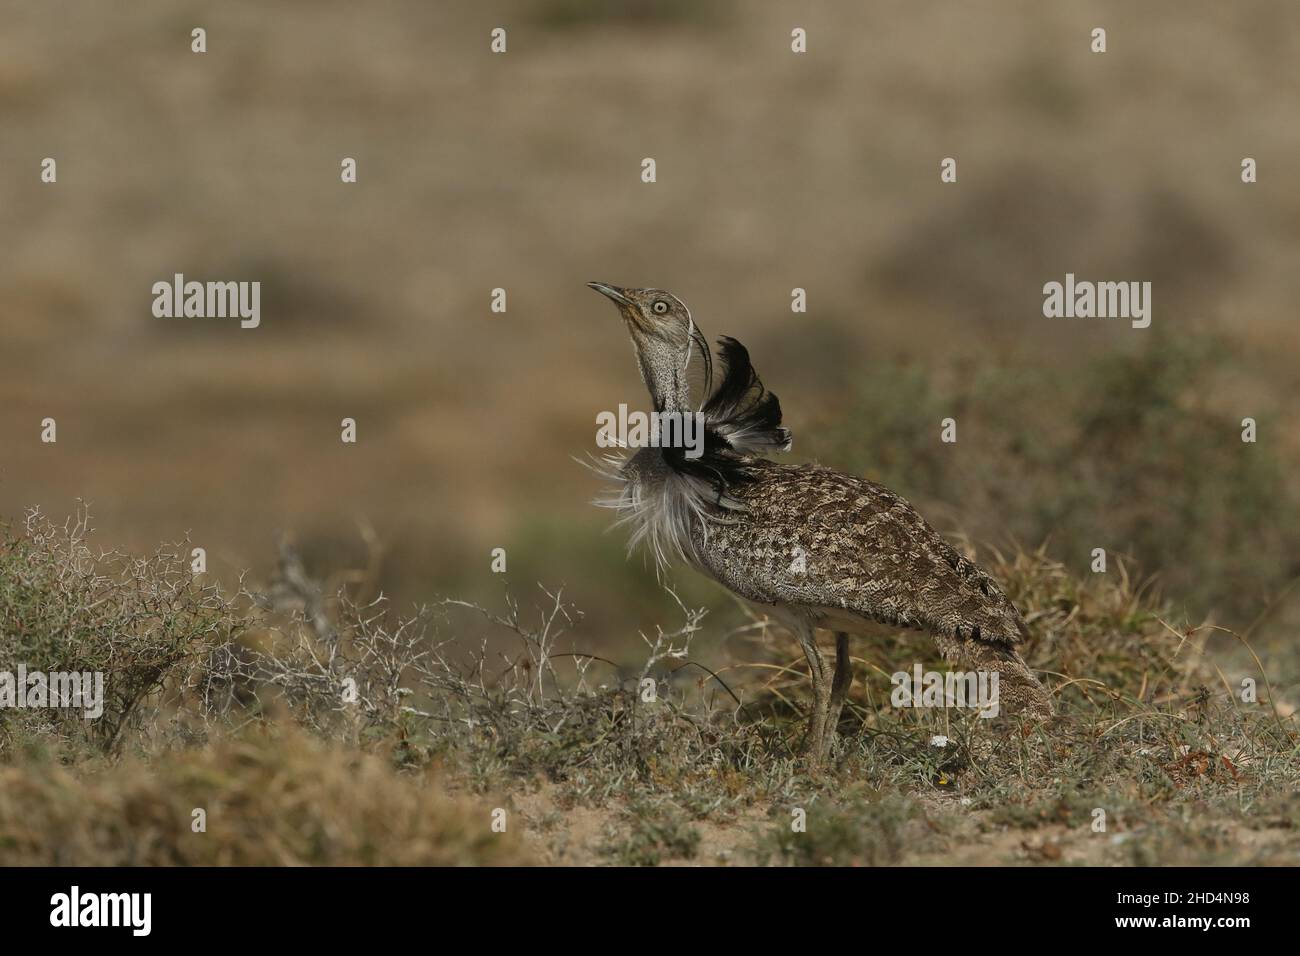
(808, 546)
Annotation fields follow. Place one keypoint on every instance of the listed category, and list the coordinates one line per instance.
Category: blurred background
(775, 171)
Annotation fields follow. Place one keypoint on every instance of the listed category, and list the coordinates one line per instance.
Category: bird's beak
(613, 292)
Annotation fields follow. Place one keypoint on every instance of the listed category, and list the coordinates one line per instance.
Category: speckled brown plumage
(836, 547)
(812, 536)
(815, 547)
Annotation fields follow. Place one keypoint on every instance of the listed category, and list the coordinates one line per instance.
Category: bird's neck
(669, 389)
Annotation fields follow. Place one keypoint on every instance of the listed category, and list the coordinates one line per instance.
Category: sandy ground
(578, 836)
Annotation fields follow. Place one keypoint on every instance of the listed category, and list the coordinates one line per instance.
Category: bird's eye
(660, 307)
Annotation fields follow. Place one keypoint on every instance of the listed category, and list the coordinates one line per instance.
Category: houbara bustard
(813, 547)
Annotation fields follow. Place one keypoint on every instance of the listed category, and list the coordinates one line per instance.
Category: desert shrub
(271, 798)
(338, 694)
(1144, 711)
(858, 828)
(147, 624)
(650, 832)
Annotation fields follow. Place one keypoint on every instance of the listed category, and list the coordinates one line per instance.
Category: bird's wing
(818, 537)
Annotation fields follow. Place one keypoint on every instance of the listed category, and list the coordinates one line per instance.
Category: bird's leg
(840, 685)
(813, 742)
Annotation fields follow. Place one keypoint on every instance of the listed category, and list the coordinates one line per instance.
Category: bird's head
(664, 336)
